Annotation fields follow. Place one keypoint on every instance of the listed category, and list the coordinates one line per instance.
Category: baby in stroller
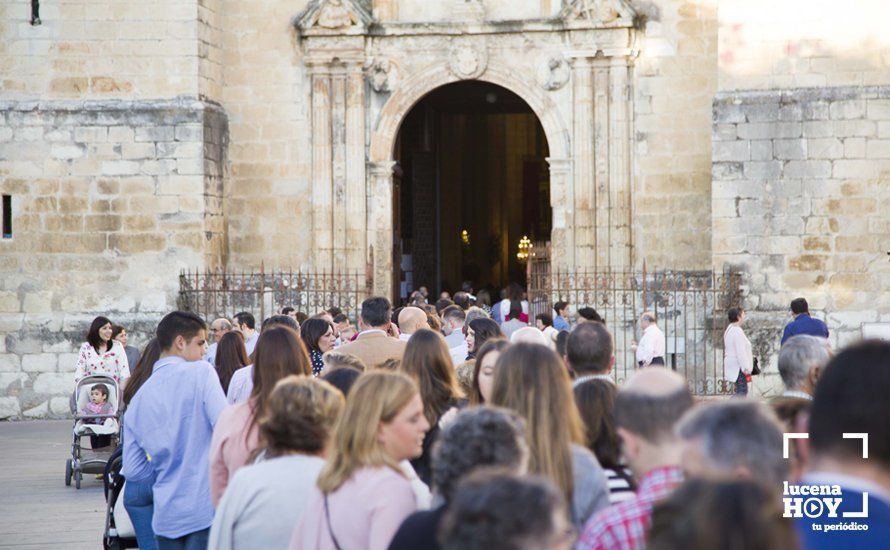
(98, 405)
(95, 408)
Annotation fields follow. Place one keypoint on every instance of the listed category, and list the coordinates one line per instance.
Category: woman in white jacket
(738, 360)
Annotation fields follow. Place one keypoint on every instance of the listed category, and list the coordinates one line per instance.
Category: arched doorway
(472, 181)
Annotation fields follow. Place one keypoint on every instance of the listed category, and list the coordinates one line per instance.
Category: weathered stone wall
(674, 83)
(106, 49)
(801, 193)
(266, 97)
(110, 200)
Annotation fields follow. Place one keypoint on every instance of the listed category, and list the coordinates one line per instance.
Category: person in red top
(646, 409)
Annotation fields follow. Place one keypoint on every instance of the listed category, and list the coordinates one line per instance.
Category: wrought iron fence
(690, 307)
(213, 294)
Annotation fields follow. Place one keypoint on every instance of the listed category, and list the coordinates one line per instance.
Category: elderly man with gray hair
(737, 439)
(801, 360)
(651, 349)
(218, 329)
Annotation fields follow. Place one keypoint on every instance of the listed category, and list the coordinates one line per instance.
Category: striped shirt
(619, 486)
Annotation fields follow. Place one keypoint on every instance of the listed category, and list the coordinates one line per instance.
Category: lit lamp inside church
(525, 246)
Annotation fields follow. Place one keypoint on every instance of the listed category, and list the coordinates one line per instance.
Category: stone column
(602, 227)
(356, 234)
(582, 220)
(562, 238)
(601, 161)
(620, 168)
(338, 164)
(322, 183)
(379, 224)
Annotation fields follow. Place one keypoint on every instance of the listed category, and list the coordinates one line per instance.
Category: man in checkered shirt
(646, 409)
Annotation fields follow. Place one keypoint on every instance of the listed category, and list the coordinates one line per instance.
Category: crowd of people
(463, 425)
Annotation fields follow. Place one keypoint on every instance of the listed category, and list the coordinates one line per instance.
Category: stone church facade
(140, 139)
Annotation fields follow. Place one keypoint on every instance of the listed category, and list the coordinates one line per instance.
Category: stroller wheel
(68, 472)
(78, 475)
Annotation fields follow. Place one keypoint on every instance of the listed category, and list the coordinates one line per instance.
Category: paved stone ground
(37, 510)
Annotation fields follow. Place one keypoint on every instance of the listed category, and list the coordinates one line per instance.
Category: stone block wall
(801, 193)
(266, 98)
(111, 199)
(107, 49)
(675, 78)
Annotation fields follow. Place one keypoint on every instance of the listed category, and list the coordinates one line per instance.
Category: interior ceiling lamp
(525, 246)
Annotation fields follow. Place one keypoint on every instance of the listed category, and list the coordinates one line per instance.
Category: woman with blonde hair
(265, 500)
(428, 362)
(279, 353)
(363, 494)
(531, 380)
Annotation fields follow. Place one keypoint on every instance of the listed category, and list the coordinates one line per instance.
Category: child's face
(97, 397)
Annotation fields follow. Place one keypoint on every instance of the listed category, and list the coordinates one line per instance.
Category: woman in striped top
(596, 398)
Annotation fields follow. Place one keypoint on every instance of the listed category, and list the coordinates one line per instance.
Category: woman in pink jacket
(363, 494)
(279, 353)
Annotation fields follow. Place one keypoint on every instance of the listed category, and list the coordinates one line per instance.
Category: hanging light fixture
(525, 246)
(465, 237)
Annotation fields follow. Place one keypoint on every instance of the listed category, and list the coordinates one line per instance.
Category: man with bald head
(646, 409)
(411, 319)
(218, 328)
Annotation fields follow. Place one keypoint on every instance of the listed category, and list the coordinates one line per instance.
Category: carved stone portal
(587, 124)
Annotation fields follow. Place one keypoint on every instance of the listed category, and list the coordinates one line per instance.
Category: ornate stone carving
(598, 12)
(468, 62)
(382, 75)
(334, 15)
(554, 72)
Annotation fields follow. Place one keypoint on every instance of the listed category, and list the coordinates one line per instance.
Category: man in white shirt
(246, 323)
(218, 329)
(650, 350)
(411, 319)
(453, 318)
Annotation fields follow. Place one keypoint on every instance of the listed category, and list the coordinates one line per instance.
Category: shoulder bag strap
(327, 515)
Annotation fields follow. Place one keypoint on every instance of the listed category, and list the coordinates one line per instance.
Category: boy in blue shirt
(167, 432)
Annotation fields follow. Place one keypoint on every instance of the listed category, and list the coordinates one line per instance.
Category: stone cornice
(188, 103)
(772, 95)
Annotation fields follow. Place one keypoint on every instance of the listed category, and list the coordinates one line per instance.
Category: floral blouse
(113, 362)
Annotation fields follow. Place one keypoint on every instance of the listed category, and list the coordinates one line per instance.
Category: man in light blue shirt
(167, 433)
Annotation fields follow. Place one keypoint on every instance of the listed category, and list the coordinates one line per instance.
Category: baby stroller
(119, 531)
(92, 461)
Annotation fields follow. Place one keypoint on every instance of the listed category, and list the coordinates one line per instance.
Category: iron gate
(213, 294)
(690, 307)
